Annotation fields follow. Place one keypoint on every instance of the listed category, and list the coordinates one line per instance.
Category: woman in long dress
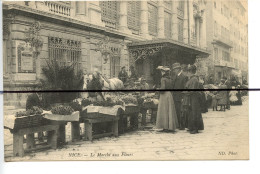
(195, 121)
(166, 114)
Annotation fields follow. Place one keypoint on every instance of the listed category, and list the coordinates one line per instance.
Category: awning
(142, 49)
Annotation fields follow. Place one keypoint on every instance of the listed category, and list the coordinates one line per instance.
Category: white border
(208, 167)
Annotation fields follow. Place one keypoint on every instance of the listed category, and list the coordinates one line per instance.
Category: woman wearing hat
(195, 121)
(166, 114)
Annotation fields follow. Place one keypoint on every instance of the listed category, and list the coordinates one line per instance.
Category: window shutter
(109, 13)
(167, 24)
(133, 15)
(152, 19)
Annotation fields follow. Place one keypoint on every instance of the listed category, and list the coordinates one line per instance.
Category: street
(225, 137)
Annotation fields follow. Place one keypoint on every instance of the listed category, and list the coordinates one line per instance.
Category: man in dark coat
(133, 73)
(123, 75)
(179, 82)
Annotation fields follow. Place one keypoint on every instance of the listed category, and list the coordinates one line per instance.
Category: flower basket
(30, 121)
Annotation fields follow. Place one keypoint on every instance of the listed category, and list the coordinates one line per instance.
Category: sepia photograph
(140, 80)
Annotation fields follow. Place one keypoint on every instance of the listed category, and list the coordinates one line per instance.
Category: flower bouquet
(63, 113)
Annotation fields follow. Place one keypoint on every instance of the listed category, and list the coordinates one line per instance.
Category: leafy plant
(61, 78)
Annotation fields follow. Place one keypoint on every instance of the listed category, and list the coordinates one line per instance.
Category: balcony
(222, 63)
(59, 7)
(224, 41)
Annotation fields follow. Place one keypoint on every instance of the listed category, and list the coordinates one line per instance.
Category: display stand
(18, 139)
(88, 123)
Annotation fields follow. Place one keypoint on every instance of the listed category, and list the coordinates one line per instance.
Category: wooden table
(88, 124)
(18, 138)
(61, 134)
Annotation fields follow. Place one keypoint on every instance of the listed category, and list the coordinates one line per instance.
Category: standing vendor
(123, 75)
(133, 73)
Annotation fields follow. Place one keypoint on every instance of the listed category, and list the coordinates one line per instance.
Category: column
(197, 32)
(203, 34)
(144, 19)
(160, 20)
(185, 23)
(123, 17)
(94, 13)
(174, 20)
(191, 22)
(80, 7)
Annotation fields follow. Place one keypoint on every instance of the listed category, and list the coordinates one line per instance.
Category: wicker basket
(30, 121)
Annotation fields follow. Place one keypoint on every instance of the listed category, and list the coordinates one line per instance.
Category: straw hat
(176, 65)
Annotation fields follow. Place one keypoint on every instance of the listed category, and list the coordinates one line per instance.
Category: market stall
(28, 123)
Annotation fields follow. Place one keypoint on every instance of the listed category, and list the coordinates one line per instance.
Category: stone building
(227, 39)
(104, 35)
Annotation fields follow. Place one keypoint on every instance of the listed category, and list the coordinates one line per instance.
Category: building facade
(227, 39)
(103, 35)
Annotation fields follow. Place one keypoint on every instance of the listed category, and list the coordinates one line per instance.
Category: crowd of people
(179, 109)
(183, 107)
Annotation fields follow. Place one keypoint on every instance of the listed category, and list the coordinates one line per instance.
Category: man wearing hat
(179, 82)
(123, 75)
(133, 73)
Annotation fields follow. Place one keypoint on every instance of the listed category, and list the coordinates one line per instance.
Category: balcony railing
(223, 40)
(223, 63)
(62, 8)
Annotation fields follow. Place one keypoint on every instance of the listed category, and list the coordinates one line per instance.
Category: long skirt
(166, 114)
(195, 121)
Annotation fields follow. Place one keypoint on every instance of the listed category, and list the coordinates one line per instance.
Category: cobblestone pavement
(225, 137)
